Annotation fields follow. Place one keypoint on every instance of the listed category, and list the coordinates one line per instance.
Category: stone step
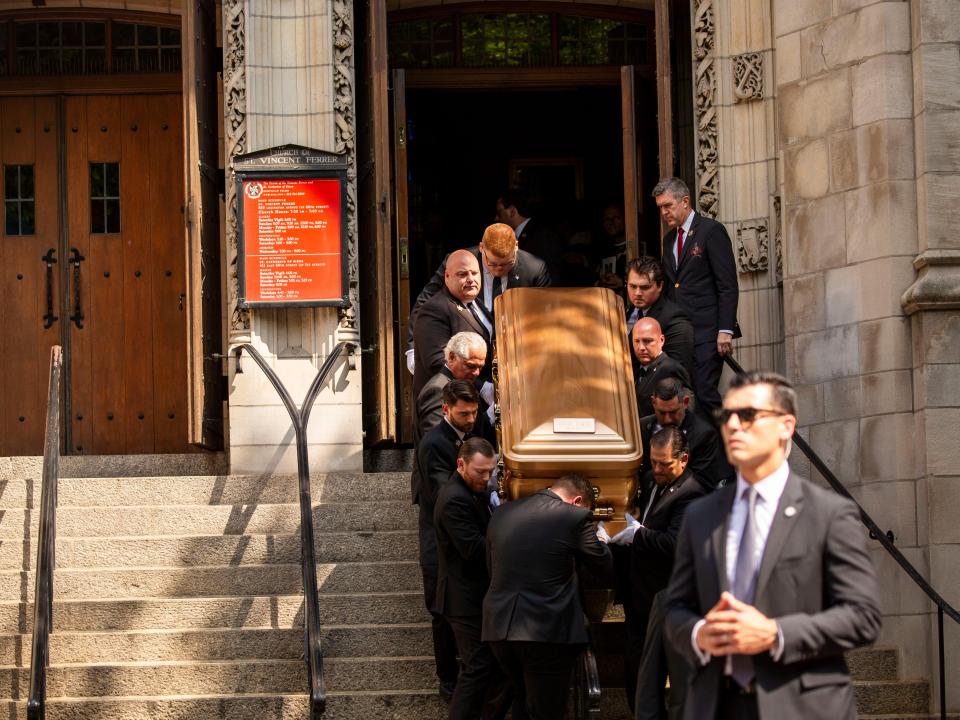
(223, 644)
(381, 705)
(283, 611)
(886, 697)
(874, 663)
(218, 581)
(24, 492)
(222, 678)
(128, 466)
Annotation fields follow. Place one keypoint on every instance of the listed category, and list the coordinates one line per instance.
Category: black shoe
(446, 689)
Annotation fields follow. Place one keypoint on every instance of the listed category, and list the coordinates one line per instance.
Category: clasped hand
(735, 628)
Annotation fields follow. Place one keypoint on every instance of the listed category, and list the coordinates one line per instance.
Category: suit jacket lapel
(783, 523)
(669, 243)
(465, 313)
(718, 539)
(687, 241)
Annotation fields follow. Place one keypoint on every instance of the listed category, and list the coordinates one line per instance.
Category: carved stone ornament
(748, 76)
(705, 72)
(235, 142)
(778, 236)
(753, 254)
(345, 143)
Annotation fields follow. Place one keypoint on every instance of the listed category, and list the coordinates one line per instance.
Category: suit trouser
(707, 366)
(635, 625)
(660, 659)
(540, 674)
(482, 688)
(444, 644)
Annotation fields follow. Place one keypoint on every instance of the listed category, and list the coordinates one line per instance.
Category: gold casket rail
(565, 394)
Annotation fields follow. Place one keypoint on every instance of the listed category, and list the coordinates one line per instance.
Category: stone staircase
(179, 598)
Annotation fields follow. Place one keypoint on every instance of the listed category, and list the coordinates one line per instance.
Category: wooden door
(402, 250)
(30, 319)
(126, 275)
(631, 169)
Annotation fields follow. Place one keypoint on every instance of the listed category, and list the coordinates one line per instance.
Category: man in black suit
(436, 462)
(671, 407)
(702, 279)
(450, 311)
(461, 518)
(772, 582)
(532, 615)
(513, 209)
(654, 363)
(646, 299)
(650, 560)
(502, 264)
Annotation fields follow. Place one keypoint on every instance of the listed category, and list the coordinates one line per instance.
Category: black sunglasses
(746, 415)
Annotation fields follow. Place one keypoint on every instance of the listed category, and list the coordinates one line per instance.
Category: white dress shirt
(460, 433)
(769, 491)
(488, 287)
(518, 230)
(480, 314)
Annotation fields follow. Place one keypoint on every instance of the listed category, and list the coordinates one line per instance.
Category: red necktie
(679, 244)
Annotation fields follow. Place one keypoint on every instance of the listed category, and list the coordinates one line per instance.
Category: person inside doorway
(534, 236)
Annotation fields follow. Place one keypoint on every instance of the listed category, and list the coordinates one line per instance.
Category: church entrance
(91, 244)
(580, 107)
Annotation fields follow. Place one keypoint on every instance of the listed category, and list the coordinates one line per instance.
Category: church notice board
(291, 228)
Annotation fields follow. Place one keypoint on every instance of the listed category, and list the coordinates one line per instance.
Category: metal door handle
(49, 319)
(75, 259)
(180, 298)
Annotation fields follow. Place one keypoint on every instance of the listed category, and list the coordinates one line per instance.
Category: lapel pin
(790, 511)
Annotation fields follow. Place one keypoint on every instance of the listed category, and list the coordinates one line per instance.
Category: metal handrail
(46, 546)
(885, 539)
(311, 602)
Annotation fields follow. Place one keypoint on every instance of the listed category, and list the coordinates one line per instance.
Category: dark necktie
(679, 245)
(497, 287)
(745, 581)
(632, 320)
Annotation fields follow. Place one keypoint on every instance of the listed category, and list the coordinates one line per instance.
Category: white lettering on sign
(574, 425)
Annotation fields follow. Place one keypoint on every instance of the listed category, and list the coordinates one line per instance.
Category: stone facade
(280, 82)
(867, 115)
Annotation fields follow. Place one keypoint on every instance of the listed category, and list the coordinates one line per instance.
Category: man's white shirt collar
(770, 488)
(519, 229)
(460, 434)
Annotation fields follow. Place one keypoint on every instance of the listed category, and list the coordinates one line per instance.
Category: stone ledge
(937, 286)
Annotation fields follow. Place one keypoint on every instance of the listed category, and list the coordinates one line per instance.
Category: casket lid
(565, 382)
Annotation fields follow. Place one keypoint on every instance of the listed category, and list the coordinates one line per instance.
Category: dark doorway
(563, 147)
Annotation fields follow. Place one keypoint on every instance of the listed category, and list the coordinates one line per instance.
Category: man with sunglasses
(772, 582)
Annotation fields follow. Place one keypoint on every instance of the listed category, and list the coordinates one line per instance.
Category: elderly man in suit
(454, 309)
(532, 615)
(701, 278)
(503, 265)
(653, 363)
(671, 407)
(646, 299)
(435, 463)
(460, 519)
(772, 582)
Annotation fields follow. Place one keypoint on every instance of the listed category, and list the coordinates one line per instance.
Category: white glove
(411, 362)
(486, 392)
(491, 416)
(602, 534)
(494, 500)
(625, 536)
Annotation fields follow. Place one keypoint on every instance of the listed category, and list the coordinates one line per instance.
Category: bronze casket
(565, 394)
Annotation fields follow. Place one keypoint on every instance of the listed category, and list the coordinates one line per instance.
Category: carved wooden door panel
(29, 268)
(126, 273)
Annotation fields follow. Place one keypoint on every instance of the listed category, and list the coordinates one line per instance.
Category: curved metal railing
(311, 600)
(46, 546)
(886, 540)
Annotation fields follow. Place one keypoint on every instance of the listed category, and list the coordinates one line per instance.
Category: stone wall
(280, 87)
(861, 197)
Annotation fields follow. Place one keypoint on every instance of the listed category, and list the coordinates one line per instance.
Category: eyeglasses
(746, 415)
(506, 263)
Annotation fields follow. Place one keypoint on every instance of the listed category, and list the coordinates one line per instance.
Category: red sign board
(292, 237)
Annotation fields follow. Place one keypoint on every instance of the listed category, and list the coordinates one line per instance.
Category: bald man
(655, 364)
(503, 265)
(453, 309)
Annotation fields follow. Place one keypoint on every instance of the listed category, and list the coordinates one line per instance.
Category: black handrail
(46, 546)
(311, 601)
(886, 541)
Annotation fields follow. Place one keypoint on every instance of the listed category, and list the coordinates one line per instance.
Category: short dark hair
(647, 265)
(460, 390)
(782, 392)
(475, 446)
(518, 198)
(671, 437)
(576, 485)
(669, 388)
